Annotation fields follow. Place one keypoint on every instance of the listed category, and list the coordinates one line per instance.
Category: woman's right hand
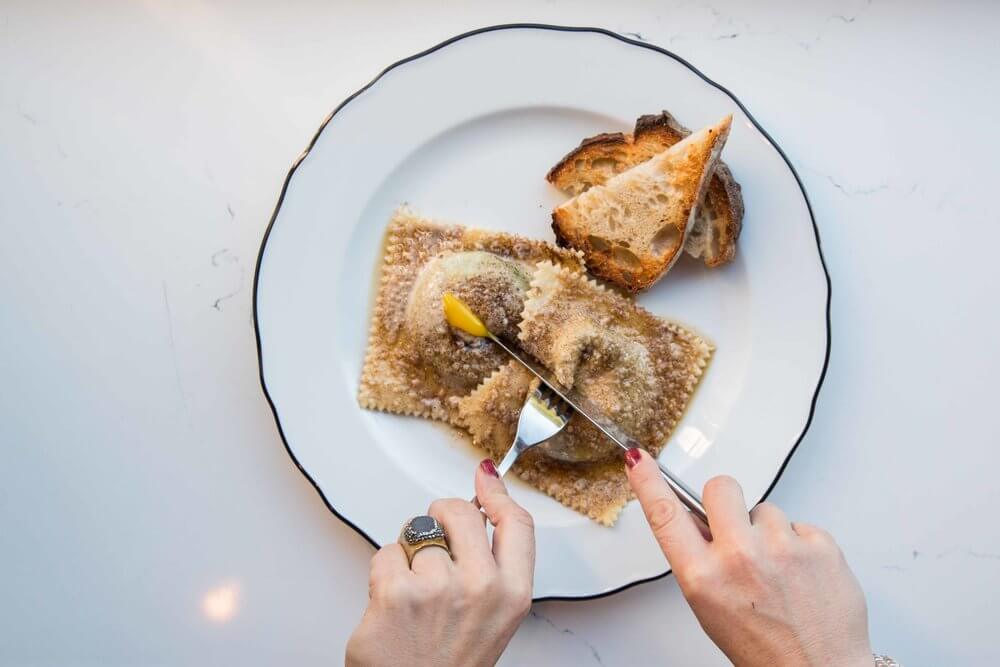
(767, 591)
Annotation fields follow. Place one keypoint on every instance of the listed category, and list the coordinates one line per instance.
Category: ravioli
(640, 370)
(415, 363)
(597, 489)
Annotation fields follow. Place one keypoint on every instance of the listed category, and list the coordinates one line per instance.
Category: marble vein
(27, 117)
(216, 255)
(849, 191)
(173, 346)
(220, 258)
(571, 633)
(969, 553)
(852, 192)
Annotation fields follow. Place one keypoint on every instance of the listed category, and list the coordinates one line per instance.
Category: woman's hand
(767, 592)
(457, 610)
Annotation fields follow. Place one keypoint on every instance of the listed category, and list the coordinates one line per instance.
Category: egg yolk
(461, 316)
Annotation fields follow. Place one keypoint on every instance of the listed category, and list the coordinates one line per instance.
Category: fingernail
(632, 457)
(489, 468)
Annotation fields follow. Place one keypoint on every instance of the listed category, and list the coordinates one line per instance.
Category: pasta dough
(416, 364)
(640, 370)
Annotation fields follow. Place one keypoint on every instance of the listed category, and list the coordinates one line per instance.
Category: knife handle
(689, 498)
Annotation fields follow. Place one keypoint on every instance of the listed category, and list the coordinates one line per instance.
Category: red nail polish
(489, 468)
(632, 456)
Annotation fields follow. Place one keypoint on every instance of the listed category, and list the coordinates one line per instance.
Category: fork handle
(506, 463)
(508, 460)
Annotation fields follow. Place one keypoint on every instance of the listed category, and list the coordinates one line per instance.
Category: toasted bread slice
(632, 229)
(719, 217)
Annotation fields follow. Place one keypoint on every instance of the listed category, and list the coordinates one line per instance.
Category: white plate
(466, 132)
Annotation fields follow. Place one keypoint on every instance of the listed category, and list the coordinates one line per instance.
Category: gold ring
(420, 532)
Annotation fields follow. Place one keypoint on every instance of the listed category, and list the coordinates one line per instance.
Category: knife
(593, 414)
(461, 316)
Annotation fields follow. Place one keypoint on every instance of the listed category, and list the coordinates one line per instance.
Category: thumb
(514, 529)
(675, 530)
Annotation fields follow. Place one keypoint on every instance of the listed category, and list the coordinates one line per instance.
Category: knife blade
(595, 416)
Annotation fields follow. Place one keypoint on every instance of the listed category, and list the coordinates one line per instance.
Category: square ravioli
(596, 488)
(415, 363)
(640, 370)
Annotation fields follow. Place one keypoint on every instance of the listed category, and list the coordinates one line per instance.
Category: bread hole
(666, 240)
(598, 244)
(626, 257)
(603, 164)
(625, 244)
(613, 218)
(578, 164)
(662, 198)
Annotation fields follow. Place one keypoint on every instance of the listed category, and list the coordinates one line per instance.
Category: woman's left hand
(452, 610)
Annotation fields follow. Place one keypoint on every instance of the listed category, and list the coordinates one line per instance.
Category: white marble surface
(148, 513)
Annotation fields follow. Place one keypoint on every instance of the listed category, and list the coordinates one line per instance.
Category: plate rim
(556, 28)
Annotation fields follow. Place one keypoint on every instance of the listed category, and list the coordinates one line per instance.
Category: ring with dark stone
(420, 532)
(421, 528)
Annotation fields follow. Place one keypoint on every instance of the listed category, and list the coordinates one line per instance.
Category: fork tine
(551, 396)
(542, 417)
(555, 401)
(547, 395)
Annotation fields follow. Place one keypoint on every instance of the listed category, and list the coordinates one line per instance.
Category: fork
(544, 414)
